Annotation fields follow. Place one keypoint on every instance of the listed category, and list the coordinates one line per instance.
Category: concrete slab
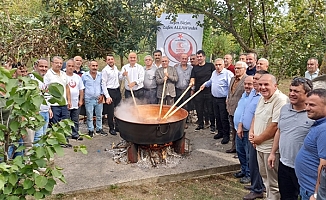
(98, 170)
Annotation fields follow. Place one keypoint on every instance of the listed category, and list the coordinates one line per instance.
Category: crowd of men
(278, 139)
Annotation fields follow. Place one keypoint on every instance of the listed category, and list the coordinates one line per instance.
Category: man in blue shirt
(220, 83)
(312, 155)
(93, 98)
(242, 136)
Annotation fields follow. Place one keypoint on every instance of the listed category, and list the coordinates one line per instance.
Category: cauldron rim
(159, 122)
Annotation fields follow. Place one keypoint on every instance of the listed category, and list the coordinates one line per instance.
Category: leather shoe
(91, 133)
(199, 128)
(252, 196)
(225, 140)
(112, 132)
(238, 175)
(230, 151)
(247, 187)
(245, 180)
(218, 136)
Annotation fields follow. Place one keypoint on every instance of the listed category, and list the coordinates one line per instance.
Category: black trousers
(200, 101)
(257, 185)
(115, 94)
(221, 116)
(288, 183)
(139, 94)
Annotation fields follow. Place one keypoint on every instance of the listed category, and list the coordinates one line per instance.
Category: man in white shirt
(76, 95)
(312, 69)
(55, 75)
(135, 73)
(41, 67)
(111, 91)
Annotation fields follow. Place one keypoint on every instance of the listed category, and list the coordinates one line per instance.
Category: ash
(164, 157)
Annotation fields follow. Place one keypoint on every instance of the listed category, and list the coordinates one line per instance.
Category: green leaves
(41, 181)
(14, 125)
(13, 178)
(2, 182)
(56, 90)
(27, 184)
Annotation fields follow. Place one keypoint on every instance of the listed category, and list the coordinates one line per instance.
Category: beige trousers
(269, 175)
(28, 140)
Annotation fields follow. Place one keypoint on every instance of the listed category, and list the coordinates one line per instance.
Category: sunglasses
(302, 80)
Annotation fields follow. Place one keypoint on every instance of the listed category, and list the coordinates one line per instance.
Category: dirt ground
(215, 187)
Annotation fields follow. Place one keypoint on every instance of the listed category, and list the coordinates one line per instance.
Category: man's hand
(271, 160)
(132, 84)
(80, 102)
(312, 197)
(165, 78)
(100, 99)
(108, 100)
(240, 132)
(50, 113)
(202, 87)
(125, 73)
(251, 137)
(166, 74)
(69, 104)
(191, 84)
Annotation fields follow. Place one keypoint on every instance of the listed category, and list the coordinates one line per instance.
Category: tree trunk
(121, 60)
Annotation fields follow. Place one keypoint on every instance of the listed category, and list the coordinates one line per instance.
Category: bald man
(78, 65)
(134, 73)
(228, 63)
(263, 129)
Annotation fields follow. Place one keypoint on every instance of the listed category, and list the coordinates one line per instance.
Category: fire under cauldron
(141, 126)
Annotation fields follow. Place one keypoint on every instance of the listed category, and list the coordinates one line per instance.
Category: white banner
(181, 36)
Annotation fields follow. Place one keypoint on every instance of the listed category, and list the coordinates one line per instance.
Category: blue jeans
(305, 195)
(11, 150)
(42, 130)
(74, 116)
(90, 105)
(243, 153)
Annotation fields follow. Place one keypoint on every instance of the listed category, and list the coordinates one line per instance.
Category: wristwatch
(315, 195)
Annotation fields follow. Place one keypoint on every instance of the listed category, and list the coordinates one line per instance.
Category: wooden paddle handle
(132, 93)
(183, 94)
(183, 103)
(159, 114)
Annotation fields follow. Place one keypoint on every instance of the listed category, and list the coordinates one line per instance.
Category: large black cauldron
(140, 126)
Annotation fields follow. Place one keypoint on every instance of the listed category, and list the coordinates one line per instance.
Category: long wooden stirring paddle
(160, 112)
(183, 94)
(183, 104)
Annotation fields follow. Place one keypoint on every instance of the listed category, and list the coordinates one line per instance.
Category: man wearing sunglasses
(289, 137)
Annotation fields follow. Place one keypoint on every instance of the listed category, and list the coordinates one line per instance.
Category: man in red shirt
(228, 63)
